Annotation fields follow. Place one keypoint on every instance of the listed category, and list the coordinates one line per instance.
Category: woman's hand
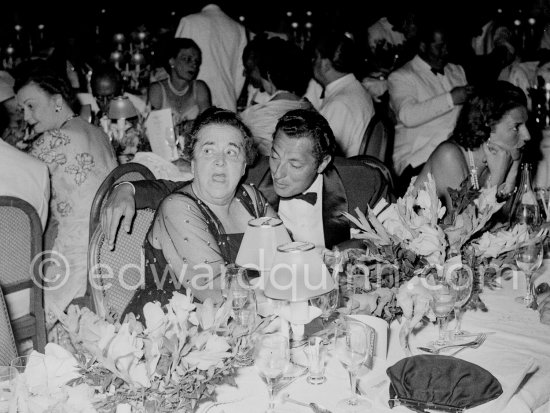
(498, 161)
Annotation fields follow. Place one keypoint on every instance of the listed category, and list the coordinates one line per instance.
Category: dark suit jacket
(347, 184)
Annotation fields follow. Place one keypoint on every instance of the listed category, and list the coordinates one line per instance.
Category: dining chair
(8, 348)
(378, 138)
(131, 171)
(363, 166)
(21, 267)
(114, 275)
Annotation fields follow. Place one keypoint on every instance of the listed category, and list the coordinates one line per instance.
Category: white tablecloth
(517, 354)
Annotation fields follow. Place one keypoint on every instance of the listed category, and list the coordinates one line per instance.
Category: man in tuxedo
(301, 180)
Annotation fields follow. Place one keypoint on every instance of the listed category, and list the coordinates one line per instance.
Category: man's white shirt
(303, 220)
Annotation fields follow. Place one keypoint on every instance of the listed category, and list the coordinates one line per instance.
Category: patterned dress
(79, 157)
(194, 244)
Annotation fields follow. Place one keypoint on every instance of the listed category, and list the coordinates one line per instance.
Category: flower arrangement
(170, 364)
(127, 136)
(411, 238)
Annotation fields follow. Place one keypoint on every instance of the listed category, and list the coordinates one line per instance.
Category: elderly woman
(199, 228)
(181, 92)
(485, 145)
(79, 157)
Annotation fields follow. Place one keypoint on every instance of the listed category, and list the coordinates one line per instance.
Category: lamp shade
(121, 108)
(298, 273)
(260, 241)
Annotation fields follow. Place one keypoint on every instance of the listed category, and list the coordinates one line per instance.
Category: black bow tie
(436, 71)
(310, 197)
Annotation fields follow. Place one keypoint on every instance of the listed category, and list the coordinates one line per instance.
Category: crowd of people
(305, 109)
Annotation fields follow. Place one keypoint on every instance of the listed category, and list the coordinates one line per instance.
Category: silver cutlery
(479, 343)
(313, 406)
(436, 350)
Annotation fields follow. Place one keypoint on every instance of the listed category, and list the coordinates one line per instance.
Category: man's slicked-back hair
(307, 123)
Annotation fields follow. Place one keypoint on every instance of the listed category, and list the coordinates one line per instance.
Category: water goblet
(327, 303)
(353, 342)
(245, 319)
(271, 358)
(442, 303)
(461, 282)
(529, 259)
(234, 278)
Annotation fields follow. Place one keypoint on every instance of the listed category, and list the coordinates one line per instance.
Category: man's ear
(58, 99)
(422, 47)
(326, 64)
(324, 163)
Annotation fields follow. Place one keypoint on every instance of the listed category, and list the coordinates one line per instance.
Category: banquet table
(517, 353)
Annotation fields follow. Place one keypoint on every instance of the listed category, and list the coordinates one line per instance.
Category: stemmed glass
(245, 317)
(327, 303)
(8, 376)
(461, 282)
(443, 301)
(353, 342)
(271, 358)
(529, 259)
(236, 287)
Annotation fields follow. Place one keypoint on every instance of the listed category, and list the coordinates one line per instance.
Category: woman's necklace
(176, 91)
(473, 170)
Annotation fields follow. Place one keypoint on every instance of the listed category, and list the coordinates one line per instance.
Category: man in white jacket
(426, 95)
(222, 41)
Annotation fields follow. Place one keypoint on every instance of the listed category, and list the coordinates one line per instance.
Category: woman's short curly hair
(483, 111)
(217, 116)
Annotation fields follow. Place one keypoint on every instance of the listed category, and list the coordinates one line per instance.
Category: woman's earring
(58, 108)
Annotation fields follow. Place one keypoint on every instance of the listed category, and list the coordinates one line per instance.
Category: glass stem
(271, 404)
(458, 316)
(440, 322)
(353, 384)
(528, 294)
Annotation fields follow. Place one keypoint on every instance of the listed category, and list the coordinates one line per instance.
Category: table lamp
(120, 109)
(259, 245)
(298, 273)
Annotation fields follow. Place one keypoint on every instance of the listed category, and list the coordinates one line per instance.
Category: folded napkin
(440, 382)
(42, 387)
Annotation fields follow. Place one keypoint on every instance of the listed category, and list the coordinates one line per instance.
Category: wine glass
(461, 282)
(271, 358)
(327, 303)
(8, 376)
(353, 342)
(236, 287)
(442, 303)
(529, 259)
(245, 318)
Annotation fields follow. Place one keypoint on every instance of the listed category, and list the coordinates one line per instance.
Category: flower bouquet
(411, 239)
(170, 364)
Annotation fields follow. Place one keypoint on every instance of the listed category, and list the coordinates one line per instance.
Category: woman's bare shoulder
(448, 151)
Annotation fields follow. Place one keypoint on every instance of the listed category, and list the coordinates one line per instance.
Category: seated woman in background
(79, 156)
(199, 228)
(181, 92)
(285, 74)
(485, 145)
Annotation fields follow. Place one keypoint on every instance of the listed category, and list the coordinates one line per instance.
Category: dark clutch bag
(443, 383)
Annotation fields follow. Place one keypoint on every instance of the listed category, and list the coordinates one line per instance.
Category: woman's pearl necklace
(473, 170)
(176, 91)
